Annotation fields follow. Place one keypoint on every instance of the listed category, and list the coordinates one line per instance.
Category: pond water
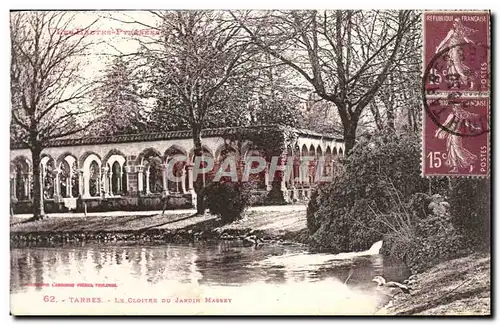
(269, 279)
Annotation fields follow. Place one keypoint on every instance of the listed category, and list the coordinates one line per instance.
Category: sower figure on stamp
(458, 156)
(456, 66)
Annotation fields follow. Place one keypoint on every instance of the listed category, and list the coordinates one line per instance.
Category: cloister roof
(170, 135)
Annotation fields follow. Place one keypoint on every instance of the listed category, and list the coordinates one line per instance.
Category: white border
(189, 4)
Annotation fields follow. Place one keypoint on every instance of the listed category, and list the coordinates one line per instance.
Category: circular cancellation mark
(434, 109)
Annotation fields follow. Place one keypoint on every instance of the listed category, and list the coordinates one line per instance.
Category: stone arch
(304, 151)
(334, 152)
(63, 156)
(44, 158)
(223, 152)
(176, 150)
(85, 155)
(69, 180)
(225, 149)
(47, 170)
(341, 152)
(208, 176)
(152, 173)
(89, 159)
(146, 153)
(328, 161)
(23, 161)
(93, 180)
(312, 151)
(319, 151)
(178, 169)
(205, 149)
(21, 185)
(111, 153)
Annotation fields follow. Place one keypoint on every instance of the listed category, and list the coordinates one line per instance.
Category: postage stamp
(456, 93)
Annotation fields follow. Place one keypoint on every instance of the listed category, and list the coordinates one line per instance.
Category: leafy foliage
(380, 174)
(120, 108)
(227, 199)
(470, 209)
(434, 238)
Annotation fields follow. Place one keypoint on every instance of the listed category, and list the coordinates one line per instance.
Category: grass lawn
(276, 222)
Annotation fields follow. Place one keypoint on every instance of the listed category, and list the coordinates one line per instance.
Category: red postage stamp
(456, 94)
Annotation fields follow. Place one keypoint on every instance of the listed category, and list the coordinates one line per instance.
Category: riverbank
(457, 287)
(281, 223)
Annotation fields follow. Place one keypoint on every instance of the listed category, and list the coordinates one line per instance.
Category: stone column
(266, 179)
(81, 183)
(103, 188)
(128, 170)
(183, 181)
(26, 186)
(57, 189)
(292, 182)
(68, 187)
(148, 190)
(13, 186)
(140, 171)
(110, 183)
(30, 180)
(119, 183)
(189, 169)
(164, 170)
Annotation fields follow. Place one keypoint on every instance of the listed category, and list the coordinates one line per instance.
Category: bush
(470, 209)
(227, 199)
(379, 175)
(433, 239)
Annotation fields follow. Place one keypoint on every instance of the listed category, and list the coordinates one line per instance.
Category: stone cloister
(113, 167)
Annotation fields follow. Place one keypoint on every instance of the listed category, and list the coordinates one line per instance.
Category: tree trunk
(38, 211)
(199, 182)
(350, 135)
(390, 118)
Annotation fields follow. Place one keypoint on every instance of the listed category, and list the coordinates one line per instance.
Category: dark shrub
(433, 237)
(356, 209)
(470, 209)
(227, 199)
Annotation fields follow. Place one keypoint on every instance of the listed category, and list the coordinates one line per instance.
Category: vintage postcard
(250, 162)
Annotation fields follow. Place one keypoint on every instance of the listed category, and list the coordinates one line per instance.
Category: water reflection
(225, 263)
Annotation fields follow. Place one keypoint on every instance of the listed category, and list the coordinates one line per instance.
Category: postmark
(456, 94)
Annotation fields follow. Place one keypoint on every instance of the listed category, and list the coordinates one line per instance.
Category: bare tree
(345, 56)
(46, 89)
(195, 69)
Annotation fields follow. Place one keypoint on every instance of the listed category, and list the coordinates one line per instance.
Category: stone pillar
(127, 172)
(110, 183)
(119, 183)
(104, 182)
(292, 184)
(68, 187)
(13, 186)
(30, 180)
(183, 181)
(148, 190)
(189, 169)
(81, 183)
(57, 187)
(140, 171)
(266, 179)
(164, 170)
(132, 180)
(26, 185)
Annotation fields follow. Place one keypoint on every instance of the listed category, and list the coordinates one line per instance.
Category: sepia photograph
(250, 162)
